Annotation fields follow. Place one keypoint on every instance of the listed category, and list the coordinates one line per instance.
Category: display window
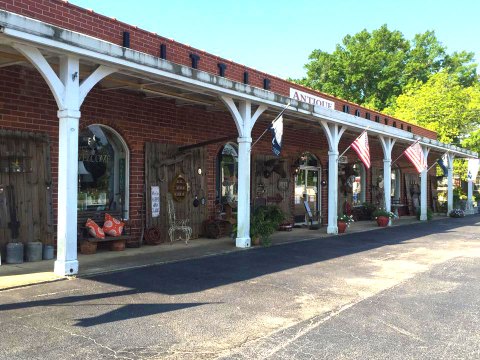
(102, 170)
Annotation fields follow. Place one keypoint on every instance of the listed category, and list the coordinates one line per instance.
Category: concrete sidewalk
(30, 273)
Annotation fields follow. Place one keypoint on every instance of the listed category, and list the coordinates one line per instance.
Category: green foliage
(373, 69)
(443, 105)
(346, 219)
(429, 214)
(264, 222)
(383, 212)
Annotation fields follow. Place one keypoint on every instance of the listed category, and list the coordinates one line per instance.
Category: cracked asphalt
(399, 293)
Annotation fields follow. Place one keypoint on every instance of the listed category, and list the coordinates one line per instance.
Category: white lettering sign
(311, 99)
(155, 201)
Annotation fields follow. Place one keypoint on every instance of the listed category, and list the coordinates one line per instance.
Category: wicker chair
(177, 225)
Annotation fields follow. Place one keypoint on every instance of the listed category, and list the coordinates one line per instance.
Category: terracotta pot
(118, 245)
(256, 241)
(88, 247)
(342, 226)
(383, 221)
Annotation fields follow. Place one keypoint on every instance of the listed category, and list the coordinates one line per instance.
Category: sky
(277, 36)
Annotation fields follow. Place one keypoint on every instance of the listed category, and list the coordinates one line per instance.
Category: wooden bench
(88, 244)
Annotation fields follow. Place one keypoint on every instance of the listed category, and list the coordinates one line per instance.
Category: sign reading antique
(155, 201)
(311, 99)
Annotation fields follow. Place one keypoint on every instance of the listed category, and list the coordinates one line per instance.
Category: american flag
(360, 145)
(415, 154)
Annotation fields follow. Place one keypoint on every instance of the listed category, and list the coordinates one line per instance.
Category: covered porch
(72, 65)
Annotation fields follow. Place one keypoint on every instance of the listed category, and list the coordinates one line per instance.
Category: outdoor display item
(342, 227)
(34, 251)
(14, 253)
(153, 236)
(48, 252)
(382, 221)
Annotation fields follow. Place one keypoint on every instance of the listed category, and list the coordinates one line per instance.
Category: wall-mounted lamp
(199, 171)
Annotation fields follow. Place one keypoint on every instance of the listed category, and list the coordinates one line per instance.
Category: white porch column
(387, 146)
(450, 158)
(424, 187)
(333, 133)
(69, 95)
(242, 114)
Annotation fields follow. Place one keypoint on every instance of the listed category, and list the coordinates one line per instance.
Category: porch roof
(161, 78)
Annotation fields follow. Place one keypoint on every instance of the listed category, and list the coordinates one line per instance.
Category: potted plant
(456, 213)
(383, 217)
(264, 222)
(343, 222)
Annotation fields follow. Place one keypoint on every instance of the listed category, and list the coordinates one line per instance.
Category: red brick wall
(27, 104)
(75, 18)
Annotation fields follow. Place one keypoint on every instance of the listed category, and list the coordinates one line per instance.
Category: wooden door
(25, 172)
(163, 164)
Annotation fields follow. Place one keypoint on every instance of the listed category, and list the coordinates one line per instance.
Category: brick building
(95, 114)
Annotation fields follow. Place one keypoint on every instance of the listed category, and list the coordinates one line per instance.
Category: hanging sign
(155, 196)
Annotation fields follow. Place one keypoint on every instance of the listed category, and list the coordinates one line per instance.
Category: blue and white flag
(277, 133)
(472, 169)
(442, 163)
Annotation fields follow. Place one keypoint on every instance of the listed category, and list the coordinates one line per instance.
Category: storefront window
(227, 175)
(395, 184)
(102, 170)
(358, 184)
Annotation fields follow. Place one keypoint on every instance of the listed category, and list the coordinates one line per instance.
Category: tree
(373, 69)
(443, 105)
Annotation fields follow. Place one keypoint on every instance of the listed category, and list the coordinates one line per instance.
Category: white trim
(29, 30)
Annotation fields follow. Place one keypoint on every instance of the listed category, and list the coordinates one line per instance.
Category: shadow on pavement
(190, 276)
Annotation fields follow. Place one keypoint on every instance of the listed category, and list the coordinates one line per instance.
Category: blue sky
(277, 36)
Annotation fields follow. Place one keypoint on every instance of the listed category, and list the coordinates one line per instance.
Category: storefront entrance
(307, 190)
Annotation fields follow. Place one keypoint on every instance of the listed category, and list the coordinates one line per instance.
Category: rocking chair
(177, 225)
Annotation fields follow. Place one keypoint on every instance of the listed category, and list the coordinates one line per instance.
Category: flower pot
(117, 245)
(383, 221)
(342, 226)
(88, 247)
(256, 241)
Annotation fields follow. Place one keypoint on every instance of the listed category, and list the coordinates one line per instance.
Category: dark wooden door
(25, 171)
(163, 164)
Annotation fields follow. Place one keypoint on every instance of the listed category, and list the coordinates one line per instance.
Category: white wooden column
(69, 95)
(450, 158)
(333, 133)
(242, 115)
(387, 146)
(424, 187)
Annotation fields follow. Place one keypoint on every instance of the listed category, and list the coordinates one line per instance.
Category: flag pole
(276, 118)
(349, 146)
(403, 153)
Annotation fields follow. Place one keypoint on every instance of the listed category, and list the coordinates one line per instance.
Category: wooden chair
(177, 225)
